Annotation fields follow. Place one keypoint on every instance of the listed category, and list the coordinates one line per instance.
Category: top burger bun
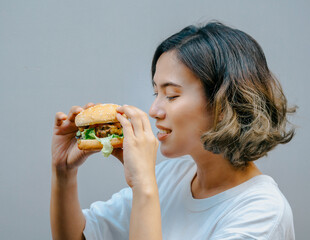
(98, 114)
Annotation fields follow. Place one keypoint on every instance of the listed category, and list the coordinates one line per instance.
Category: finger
(88, 105)
(146, 123)
(75, 110)
(127, 127)
(135, 115)
(59, 118)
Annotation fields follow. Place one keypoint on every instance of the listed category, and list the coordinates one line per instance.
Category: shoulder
(260, 212)
(264, 195)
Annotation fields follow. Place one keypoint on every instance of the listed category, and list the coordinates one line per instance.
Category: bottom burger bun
(96, 145)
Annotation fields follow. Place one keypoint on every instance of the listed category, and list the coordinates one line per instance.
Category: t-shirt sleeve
(109, 220)
(263, 217)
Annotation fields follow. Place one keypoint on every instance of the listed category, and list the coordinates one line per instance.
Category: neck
(216, 174)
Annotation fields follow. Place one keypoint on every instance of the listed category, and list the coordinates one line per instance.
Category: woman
(216, 101)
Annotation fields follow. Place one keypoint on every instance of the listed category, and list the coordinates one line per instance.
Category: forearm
(145, 220)
(67, 219)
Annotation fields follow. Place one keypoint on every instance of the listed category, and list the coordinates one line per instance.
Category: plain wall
(55, 54)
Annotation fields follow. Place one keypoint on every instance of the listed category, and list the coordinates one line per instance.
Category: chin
(170, 152)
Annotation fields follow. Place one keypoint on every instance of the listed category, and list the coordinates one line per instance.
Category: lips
(163, 133)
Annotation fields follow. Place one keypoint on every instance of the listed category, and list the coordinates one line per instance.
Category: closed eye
(172, 98)
(169, 98)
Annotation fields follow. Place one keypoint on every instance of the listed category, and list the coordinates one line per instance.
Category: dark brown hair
(249, 107)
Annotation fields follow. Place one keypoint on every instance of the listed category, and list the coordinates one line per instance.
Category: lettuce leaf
(89, 134)
(116, 136)
(107, 147)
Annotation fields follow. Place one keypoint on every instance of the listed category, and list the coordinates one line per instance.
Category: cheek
(189, 120)
(191, 124)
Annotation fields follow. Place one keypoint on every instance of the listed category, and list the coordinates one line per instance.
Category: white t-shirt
(255, 209)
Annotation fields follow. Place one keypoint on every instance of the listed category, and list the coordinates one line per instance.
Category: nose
(157, 111)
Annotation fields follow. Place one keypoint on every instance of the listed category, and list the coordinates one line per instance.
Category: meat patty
(108, 129)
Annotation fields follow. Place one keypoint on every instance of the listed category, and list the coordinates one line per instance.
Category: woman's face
(180, 107)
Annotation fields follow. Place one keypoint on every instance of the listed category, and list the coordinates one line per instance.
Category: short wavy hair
(249, 107)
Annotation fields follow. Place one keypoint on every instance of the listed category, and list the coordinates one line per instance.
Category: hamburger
(99, 129)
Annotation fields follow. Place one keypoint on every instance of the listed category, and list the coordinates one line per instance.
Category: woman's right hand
(66, 157)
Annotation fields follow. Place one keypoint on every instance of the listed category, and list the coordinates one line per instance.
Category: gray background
(55, 54)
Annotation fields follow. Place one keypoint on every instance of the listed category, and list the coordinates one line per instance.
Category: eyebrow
(168, 84)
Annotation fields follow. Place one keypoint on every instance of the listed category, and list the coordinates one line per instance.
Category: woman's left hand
(139, 147)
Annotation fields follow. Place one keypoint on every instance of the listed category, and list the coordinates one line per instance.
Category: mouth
(163, 134)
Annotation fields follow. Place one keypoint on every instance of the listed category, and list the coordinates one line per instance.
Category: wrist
(62, 178)
(145, 188)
